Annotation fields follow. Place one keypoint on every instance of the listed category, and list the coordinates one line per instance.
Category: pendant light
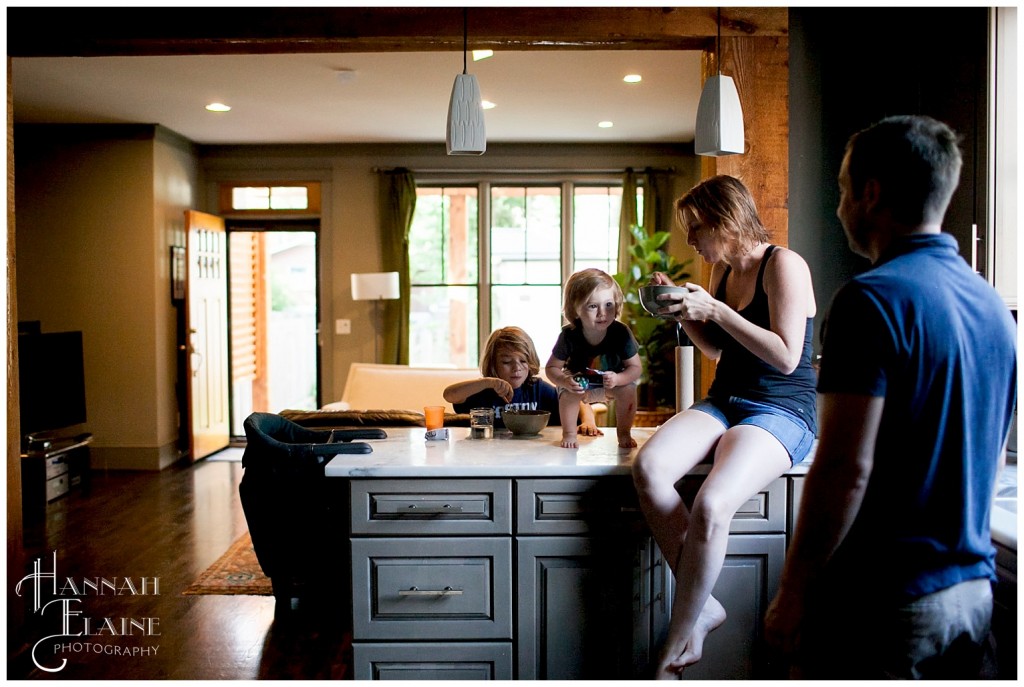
(719, 129)
(465, 134)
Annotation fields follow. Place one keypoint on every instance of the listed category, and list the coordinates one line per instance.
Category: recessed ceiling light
(345, 75)
(482, 55)
(632, 78)
(487, 105)
(605, 124)
(218, 107)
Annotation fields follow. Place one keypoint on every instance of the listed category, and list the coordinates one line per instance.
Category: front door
(207, 325)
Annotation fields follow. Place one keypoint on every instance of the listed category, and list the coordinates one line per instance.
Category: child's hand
(589, 430)
(502, 388)
(571, 385)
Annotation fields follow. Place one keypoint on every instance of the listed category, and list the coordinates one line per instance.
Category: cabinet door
(574, 614)
(748, 582)
(433, 661)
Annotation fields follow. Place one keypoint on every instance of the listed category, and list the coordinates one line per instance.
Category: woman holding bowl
(759, 416)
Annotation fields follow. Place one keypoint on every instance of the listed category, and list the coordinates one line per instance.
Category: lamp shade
(372, 286)
(719, 129)
(465, 118)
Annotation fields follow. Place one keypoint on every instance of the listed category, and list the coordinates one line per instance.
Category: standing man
(889, 572)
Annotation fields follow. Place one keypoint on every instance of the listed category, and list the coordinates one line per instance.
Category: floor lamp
(376, 287)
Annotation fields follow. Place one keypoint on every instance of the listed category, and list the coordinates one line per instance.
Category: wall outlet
(343, 326)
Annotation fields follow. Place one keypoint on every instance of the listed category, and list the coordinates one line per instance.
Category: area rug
(236, 572)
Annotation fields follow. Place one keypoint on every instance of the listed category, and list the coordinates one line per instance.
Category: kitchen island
(514, 558)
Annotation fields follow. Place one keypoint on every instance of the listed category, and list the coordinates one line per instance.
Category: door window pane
(526, 230)
(596, 227)
(443, 238)
(444, 268)
(534, 308)
(443, 326)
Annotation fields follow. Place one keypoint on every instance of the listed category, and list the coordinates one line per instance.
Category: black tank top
(741, 373)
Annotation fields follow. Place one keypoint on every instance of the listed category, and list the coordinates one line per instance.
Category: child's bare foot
(626, 440)
(569, 440)
(711, 616)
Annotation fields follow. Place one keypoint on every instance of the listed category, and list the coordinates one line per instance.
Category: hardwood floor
(169, 525)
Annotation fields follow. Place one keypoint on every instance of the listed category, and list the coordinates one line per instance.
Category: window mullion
(566, 258)
(484, 263)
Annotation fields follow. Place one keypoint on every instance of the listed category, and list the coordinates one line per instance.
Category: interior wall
(838, 86)
(175, 184)
(91, 260)
(349, 239)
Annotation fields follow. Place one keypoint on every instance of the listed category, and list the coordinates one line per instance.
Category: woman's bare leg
(678, 445)
(746, 459)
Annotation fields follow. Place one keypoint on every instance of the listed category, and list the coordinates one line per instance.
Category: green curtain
(657, 210)
(397, 205)
(627, 218)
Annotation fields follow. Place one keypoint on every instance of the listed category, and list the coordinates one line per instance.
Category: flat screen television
(51, 375)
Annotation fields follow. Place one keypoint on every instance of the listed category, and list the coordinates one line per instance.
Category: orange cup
(434, 416)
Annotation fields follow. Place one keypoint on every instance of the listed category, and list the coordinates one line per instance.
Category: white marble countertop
(405, 453)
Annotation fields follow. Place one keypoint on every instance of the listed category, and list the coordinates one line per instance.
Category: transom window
(490, 254)
(284, 198)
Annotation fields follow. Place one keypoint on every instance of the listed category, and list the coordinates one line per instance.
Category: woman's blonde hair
(512, 338)
(724, 205)
(579, 287)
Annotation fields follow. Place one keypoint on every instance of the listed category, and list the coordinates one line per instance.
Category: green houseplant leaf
(655, 336)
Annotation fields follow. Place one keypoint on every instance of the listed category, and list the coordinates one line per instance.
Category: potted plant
(656, 337)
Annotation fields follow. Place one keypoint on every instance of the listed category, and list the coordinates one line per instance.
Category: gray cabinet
(431, 579)
(539, 579)
(598, 604)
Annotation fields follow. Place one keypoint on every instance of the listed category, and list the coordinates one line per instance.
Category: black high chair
(291, 507)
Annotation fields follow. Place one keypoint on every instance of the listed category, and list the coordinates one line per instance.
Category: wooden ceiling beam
(126, 31)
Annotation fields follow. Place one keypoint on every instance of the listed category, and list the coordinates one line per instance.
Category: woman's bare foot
(569, 440)
(626, 440)
(711, 616)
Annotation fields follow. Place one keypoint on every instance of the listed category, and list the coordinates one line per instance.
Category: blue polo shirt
(923, 330)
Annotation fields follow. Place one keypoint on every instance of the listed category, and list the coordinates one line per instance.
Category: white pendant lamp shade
(466, 118)
(719, 128)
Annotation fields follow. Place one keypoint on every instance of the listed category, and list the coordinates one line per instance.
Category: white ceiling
(541, 95)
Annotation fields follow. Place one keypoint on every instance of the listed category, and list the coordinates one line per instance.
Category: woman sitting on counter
(759, 416)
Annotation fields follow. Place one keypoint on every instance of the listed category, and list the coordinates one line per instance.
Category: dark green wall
(850, 67)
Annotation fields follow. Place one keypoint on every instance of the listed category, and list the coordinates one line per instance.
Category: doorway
(274, 315)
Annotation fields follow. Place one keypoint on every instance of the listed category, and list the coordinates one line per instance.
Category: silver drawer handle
(446, 508)
(414, 591)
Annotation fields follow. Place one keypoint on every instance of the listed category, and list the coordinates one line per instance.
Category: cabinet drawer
(432, 507)
(578, 506)
(55, 465)
(433, 661)
(573, 506)
(56, 487)
(405, 588)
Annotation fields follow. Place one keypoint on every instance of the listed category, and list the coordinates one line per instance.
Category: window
(279, 199)
(493, 254)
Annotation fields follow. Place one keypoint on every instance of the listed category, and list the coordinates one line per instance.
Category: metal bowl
(526, 422)
(649, 297)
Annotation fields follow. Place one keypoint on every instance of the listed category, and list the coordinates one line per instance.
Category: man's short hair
(915, 159)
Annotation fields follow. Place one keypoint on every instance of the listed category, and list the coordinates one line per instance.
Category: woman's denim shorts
(790, 429)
